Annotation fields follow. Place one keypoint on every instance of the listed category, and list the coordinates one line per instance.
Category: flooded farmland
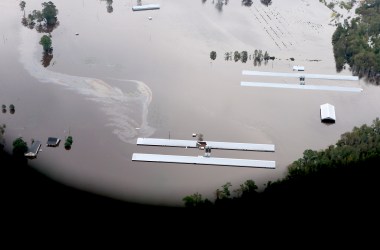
(117, 75)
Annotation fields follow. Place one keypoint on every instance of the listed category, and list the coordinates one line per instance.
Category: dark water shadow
(28, 194)
(328, 122)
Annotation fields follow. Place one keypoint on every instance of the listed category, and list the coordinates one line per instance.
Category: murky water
(125, 76)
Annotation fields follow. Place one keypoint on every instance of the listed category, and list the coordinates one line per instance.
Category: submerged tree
(196, 200)
(22, 5)
(247, 3)
(68, 142)
(50, 12)
(219, 5)
(12, 109)
(227, 56)
(236, 56)
(19, 147)
(266, 2)
(46, 43)
(244, 56)
(109, 6)
(213, 55)
(46, 59)
(2, 131)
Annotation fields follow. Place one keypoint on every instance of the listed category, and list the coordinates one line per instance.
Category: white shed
(298, 68)
(327, 113)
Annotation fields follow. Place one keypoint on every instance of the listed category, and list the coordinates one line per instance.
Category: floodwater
(125, 76)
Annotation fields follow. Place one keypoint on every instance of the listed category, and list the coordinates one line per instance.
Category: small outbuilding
(33, 150)
(327, 112)
(298, 68)
(53, 142)
(146, 7)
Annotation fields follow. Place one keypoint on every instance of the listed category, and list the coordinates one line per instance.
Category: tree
(247, 3)
(266, 2)
(22, 5)
(46, 43)
(49, 12)
(248, 187)
(225, 193)
(46, 59)
(19, 147)
(213, 55)
(12, 109)
(227, 56)
(244, 56)
(69, 142)
(266, 56)
(236, 56)
(2, 131)
(196, 200)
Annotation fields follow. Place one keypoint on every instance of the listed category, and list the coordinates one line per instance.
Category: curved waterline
(127, 112)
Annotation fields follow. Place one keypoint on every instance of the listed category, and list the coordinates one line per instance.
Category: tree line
(357, 42)
(220, 3)
(345, 172)
(258, 56)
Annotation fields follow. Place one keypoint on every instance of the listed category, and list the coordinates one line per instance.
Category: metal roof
(297, 75)
(212, 144)
(146, 7)
(327, 112)
(298, 86)
(201, 160)
(52, 141)
(33, 149)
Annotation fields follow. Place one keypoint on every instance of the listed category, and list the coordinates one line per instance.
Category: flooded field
(117, 75)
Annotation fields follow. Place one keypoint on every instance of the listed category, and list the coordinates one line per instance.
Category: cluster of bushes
(11, 108)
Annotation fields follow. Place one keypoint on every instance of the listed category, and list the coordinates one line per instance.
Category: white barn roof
(327, 112)
(146, 7)
(298, 68)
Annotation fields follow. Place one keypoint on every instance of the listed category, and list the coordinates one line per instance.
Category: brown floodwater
(125, 76)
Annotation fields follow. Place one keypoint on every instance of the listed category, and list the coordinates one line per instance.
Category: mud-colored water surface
(126, 75)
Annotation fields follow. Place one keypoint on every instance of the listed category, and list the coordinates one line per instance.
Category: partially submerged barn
(53, 142)
(327, 112)
(146, 7)
(33, 150)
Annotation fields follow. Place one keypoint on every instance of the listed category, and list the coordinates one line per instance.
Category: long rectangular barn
(201, 160)
(146, 7)
(298, 86)
(297, 75)
(212, 144)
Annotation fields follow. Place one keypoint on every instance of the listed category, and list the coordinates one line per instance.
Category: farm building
(53, 142)
(327, 112)
(33, 150)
